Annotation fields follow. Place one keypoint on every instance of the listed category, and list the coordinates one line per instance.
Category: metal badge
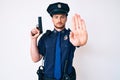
(59, 6)
(65, 37)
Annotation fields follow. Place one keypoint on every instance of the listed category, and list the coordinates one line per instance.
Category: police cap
(58, 8)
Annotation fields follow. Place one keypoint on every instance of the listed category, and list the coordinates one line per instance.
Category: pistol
(40, 24)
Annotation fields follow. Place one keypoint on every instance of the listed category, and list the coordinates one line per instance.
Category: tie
(57, 69)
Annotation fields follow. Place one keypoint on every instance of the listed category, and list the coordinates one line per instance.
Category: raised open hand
(78, 35)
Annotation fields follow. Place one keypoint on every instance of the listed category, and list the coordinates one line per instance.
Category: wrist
(33, 40)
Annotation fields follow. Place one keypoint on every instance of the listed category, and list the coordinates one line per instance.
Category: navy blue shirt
(46, 47)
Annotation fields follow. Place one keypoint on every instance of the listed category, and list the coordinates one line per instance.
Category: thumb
(71, 35)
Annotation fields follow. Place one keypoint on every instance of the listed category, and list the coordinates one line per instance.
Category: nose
(59, 19)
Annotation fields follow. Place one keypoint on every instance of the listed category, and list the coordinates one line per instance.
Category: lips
(59, 23)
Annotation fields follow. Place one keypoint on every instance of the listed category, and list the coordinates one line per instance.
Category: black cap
(58, 8)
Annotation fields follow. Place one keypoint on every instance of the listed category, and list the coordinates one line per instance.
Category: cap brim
(58, 11)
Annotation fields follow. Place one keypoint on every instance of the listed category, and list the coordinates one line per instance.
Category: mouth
(59, 23)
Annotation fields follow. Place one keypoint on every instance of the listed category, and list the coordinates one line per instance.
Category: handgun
(40, 24)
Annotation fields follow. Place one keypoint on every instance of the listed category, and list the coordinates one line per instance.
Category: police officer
(56, 50)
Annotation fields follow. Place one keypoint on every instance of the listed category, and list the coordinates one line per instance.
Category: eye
(63, 16)
(55, 17)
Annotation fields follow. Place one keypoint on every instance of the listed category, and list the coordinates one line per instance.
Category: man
(56, 50)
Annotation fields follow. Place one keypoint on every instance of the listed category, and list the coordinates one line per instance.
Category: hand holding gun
(38, 30)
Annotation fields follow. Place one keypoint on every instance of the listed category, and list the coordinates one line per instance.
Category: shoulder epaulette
(48, 32)
(69, 29)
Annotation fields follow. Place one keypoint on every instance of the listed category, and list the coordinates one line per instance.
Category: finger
(73, 24)
(71, 35)
(79, 22)
(83, 24)
(38, 31)
(37, 34)
(76, 21)
(34, 31)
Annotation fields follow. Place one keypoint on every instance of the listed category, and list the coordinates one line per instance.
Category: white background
(98, 60)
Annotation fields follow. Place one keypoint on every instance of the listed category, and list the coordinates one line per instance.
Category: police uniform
(46, 44)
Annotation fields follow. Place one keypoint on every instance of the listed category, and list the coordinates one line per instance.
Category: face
(59, 21)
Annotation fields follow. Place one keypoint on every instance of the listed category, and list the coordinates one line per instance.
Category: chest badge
(65, 37)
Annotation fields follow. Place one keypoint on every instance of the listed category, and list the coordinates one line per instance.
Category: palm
(78, 35)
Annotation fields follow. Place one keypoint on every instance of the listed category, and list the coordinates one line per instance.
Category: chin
(60, 27)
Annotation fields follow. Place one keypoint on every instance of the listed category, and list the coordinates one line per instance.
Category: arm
(78, 35)
(33, 48)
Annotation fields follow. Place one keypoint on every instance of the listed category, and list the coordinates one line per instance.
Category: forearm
(34, 51)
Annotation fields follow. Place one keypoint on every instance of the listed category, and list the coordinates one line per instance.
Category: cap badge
(59, 6)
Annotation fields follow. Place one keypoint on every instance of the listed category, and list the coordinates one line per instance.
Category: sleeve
(41, 46)
(41, 43)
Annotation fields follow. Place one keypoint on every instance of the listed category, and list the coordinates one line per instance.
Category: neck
(57, 29)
